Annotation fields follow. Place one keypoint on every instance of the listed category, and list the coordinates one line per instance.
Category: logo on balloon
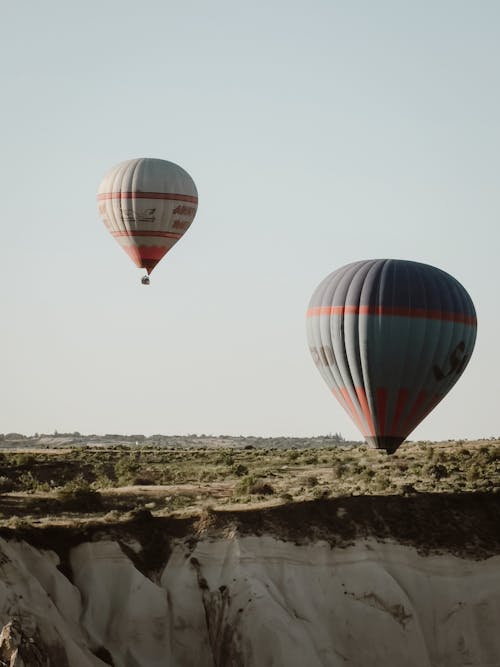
(457, 361)
(182, 209)
(146, 215)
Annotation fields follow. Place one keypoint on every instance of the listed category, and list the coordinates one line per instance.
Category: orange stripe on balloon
(392, 310)
(140, 232)
(352, 410)
(102, 196)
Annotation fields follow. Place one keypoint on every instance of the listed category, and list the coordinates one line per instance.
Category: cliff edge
(381, 580)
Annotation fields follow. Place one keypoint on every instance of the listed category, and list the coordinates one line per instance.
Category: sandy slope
(248, 600)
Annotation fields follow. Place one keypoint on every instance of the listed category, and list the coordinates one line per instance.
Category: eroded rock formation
(213, 594)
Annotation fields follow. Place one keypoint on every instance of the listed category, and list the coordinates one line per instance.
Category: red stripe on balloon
(143, 255)
(102, 196)
(361, 394)
(392, 310)
(152, 252)
(137, 232)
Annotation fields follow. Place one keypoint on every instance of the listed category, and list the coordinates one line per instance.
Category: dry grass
(46, 484)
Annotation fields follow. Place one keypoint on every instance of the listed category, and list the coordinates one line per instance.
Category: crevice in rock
(103, 654)
(222, 635)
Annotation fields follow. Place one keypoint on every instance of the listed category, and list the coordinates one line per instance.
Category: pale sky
(318, 133)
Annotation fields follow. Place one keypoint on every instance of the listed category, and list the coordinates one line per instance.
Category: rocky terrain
(358, 581)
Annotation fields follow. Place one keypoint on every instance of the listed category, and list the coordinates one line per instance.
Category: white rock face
(253, 601)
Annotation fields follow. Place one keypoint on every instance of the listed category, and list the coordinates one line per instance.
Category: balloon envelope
(390, 338)
(147, 205)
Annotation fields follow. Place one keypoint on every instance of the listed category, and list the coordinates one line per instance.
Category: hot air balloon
(147, 205)
(390, 338)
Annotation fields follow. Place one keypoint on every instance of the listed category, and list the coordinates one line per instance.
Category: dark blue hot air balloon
(390, 338)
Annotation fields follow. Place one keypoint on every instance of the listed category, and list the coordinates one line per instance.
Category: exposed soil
(465, 525)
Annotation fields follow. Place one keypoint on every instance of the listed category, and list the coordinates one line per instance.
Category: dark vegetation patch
(78, 496)
(465, 525)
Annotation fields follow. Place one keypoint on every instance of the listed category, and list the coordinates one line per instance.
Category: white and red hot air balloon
(147, 205)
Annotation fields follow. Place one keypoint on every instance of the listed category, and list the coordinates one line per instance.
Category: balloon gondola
(147, 205)
(390, 338)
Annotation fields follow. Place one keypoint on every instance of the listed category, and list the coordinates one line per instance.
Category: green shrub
(382, 482)
(179, 501)
(242, 488)
(6, 484)
(209, 476)
(103, 482)
(29, 483)
(79, 496)
(125, 471)
(438, 471)
(261, 488)
(239, 470)
(339, 470)
(24, 460)
(253, 485)
(473, 474)
(226, 458)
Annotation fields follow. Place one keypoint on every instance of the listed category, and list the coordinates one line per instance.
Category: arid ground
(70, 479)
(206, 551)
